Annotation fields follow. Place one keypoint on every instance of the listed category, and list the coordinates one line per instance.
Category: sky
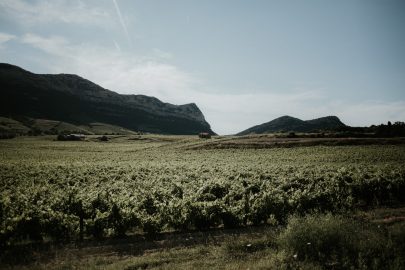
(242, 62)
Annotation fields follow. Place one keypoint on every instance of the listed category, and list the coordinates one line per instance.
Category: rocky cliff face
(154, 105)
(74, 99)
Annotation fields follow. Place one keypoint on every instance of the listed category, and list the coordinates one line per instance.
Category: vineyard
(88, 189)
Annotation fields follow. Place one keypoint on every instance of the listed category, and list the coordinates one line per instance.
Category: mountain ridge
(288, 123)
(73, 99)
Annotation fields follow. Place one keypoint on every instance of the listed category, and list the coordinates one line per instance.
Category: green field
(157, 187)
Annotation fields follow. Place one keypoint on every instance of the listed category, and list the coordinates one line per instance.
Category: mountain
(292, 124)
(75, 100)
(326, 123)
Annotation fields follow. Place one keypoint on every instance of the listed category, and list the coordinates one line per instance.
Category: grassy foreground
(140, 202)
(371, 240)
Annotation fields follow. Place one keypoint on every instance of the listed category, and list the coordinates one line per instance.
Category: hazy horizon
(243, 63)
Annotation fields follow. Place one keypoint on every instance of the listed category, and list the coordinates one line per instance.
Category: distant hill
(31, 126)
(80, 102)
(292, 124)
(8, 125)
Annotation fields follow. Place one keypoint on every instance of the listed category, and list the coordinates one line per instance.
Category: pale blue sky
(241, 62)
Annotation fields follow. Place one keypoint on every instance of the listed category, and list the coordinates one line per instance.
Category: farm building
(71, 137)
(204, 135)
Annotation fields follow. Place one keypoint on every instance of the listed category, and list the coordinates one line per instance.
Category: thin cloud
(162, 54)
(124, 26)
(113, 69)
(32, 13)
(4, 37)
(51, 45)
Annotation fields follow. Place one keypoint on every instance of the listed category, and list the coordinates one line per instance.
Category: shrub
(103, 138)
(59, 226)
(204, 215)
(177, 192)
(213, 191)
(338, 241)
(149, 205)
(230, 219)
(29, 227)
(117, 222)
(177, 214)
(199, 217)
(151, 226)
(98, 224)
(269, 204)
